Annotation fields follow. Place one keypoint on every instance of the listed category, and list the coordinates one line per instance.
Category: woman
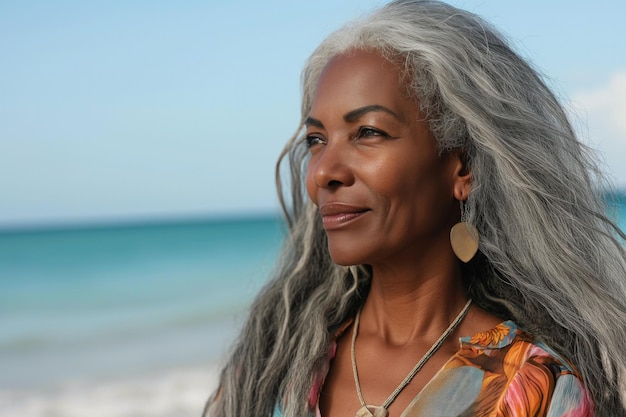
(415, 119)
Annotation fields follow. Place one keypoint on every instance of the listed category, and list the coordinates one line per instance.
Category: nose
(331, 168)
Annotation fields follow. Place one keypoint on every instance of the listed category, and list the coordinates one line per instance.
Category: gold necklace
(382, 410)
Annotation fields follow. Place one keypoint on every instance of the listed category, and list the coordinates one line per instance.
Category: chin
(343, 261)
(345, 256)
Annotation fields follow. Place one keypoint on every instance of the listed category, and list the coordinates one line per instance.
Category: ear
(461, 177)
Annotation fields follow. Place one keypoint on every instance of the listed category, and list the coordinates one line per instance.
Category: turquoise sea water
(108, 303)
(128, 320)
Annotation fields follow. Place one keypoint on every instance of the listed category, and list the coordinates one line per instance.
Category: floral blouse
(502, 372)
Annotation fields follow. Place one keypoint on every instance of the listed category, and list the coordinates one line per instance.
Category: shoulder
(509, 348)
(522, 376)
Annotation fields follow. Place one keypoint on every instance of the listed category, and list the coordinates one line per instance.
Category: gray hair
(549, 257)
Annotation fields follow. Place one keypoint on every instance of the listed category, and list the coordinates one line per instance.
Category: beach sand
(178, 392)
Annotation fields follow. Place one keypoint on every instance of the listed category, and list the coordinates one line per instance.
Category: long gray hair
(549, 257)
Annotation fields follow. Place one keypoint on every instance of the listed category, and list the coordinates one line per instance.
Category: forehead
(360, 78)
(371, 59)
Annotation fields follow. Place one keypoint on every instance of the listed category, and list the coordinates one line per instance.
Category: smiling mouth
(335, 215)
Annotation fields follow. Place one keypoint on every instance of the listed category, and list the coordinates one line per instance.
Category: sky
(138, 110)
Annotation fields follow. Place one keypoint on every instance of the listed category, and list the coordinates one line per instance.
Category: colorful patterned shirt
(502, 372)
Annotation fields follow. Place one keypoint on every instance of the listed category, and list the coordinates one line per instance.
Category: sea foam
(172, 393)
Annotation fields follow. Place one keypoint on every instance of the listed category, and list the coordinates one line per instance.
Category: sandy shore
(169, 393)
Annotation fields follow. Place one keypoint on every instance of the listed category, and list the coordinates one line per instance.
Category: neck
(414, 301)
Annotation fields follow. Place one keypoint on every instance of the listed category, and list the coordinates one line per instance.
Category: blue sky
(125, 110)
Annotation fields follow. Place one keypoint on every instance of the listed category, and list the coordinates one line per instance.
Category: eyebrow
(310, 121)
(354, 115)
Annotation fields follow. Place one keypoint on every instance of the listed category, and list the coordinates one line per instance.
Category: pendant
(464, 241)
(372, 411)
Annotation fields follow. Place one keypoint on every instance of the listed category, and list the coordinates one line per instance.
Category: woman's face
(384, 193)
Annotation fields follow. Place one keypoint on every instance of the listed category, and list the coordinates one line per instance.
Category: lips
(336, 215)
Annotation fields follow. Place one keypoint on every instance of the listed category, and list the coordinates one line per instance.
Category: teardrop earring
(464, 237)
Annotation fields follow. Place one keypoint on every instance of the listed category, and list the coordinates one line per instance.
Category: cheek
(311, 188)
(414, 186)
(395, 178)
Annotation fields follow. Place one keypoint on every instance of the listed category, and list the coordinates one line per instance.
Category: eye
(312, 140)
(366, 132)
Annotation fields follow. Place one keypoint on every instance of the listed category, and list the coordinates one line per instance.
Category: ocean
(129, 320)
